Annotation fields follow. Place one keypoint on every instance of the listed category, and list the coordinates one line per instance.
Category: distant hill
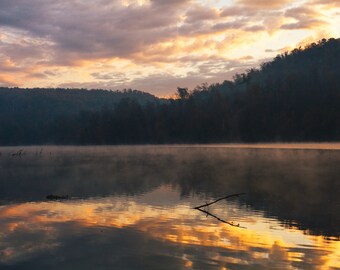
(61, 100)
(24, 113)
(294, 97)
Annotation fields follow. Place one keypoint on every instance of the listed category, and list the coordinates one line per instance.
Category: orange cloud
(264, 4)
(329, 3)
(7, 81)
(305, 18)
(170, 38)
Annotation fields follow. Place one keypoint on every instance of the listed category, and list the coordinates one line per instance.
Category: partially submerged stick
(219, 219)
(220, 199)
(199, 208)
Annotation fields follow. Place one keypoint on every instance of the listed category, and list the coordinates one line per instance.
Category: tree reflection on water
(132, 208)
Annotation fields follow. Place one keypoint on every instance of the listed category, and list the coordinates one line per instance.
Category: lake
(133, 207)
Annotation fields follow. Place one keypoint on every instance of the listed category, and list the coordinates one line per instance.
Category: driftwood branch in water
(219, 219)
(220, 199)
(199, 208)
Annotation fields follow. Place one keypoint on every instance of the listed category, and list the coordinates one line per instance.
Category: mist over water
(131, 207)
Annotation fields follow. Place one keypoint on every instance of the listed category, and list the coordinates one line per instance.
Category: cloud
(237, 24)
(68, 32)
(234, 11)
(264, 4)
(329, 3)
(82, 41)
(303, 24)
(305, 18)
(114, 78)
(201, 13)
(313, 38)
(255, 28)
(76, 31)
(247, 57)
(4, 81)
(164, 83)
(25, 49)
(210, 72)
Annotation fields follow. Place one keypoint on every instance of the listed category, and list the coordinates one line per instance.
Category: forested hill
(294, 97)
(27, 114)
(60, 100)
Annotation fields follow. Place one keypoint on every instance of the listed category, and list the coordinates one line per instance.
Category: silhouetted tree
(182, 92)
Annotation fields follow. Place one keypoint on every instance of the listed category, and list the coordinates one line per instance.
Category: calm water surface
(133, 207)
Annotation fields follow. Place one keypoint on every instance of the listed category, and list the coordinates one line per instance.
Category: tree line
(294, 97)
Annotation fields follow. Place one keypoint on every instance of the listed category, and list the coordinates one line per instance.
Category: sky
(151, 45)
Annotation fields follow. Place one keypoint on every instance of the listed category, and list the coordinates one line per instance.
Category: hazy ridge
(295, 97)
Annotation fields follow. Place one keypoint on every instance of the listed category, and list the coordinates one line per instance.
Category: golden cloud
(264, 4)
(156, 37)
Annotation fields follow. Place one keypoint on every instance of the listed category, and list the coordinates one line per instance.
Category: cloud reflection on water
(132, 207)
(176, 234)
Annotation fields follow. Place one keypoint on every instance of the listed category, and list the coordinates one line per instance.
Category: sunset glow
(181, 225)
(151, 45)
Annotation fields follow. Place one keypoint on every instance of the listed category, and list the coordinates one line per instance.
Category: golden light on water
(131, 205)
(264, 239)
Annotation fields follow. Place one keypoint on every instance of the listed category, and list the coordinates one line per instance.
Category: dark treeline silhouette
(295, 97)
(28, 116)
